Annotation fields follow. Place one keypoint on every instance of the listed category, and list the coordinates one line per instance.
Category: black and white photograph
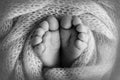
(59, 39)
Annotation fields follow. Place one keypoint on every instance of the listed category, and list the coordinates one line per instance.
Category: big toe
(53, 23)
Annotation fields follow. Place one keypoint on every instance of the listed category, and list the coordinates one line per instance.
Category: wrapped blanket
(19, 62)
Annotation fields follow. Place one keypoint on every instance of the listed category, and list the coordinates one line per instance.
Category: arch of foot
(23, 26)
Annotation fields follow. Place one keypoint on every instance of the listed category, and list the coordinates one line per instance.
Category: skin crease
(7, 12)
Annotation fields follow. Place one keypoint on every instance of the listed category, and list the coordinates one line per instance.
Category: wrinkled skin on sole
(20, 18)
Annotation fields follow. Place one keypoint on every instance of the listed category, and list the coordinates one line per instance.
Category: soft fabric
(19, 62)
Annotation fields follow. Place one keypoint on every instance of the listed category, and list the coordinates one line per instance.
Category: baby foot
(46, 42)
(74, 39)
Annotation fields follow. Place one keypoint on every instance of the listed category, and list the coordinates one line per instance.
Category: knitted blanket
(19, 62)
